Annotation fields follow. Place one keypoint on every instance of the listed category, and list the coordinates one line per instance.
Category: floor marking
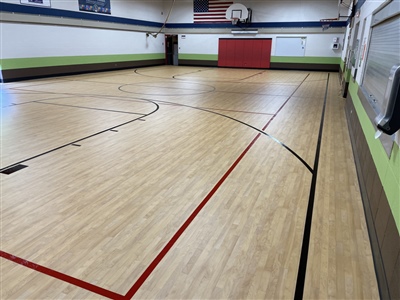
(239, 111)
(251, 126)
(80, 283)
(189, 220)
(139, 282)
(84, 107)
(76, 145)
(13, 169)
(84, 138)
(301, 275)
(112, 295)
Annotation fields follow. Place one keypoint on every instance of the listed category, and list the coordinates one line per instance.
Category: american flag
(210, 11)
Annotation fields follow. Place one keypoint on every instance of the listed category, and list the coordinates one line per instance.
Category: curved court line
(175, 76)
(136, 71)
(151, 267)
(194, 91)
(84, 138)
(251, 126)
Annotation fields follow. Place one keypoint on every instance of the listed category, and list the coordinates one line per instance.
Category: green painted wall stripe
(347, 74)
(274, 59)
(388, 168)
(213, 57)
(306, 59)
(35, 62)
(342, 65)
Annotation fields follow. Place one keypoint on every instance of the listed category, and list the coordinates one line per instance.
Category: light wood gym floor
(181, 183)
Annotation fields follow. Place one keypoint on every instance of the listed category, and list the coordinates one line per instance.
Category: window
(383, 53)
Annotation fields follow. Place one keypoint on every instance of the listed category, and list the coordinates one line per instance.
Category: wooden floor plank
(340, 262)
(102, 210)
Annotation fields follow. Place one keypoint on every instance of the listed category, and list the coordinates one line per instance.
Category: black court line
(70, 95)
(240, 111)
(36, 82)
(82, 139)
(251, 126)
(230, 80)
(13, 169)
(256, 94)
(253, 75)
(194, 92)
(194, 72)
(173, 88)
(176, 76)
(214, 89)
(173, 76)
(32, 101)
(85, 107)
(301, 275)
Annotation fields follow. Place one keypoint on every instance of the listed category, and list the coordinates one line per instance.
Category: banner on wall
(99, 6)
(36, 2)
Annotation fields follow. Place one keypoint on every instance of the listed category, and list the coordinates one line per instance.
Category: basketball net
(234, 21)
(326, 23)
(325, 27)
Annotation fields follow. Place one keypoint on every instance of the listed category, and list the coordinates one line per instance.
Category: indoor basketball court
(181, 183)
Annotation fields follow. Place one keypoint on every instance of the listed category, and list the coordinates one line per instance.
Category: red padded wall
(244, 53)
(266, 53)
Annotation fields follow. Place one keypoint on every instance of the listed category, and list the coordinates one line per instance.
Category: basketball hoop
(236, 13)
(326, 23)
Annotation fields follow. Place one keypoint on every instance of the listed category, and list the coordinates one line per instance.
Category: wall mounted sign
(37, 2)
(98, 6)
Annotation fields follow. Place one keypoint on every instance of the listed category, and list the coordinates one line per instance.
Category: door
(171, 50)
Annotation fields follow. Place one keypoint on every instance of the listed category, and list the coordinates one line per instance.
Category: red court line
(109, 294)
(185, 225)
(82, 284)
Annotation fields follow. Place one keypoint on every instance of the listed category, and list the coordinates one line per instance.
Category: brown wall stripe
(31, 73)
(384, 237)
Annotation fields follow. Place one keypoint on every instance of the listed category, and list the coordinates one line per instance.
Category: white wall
(35, 40)
(317, 44)
(291, 11)
(182, 11)
(40, 40)
(28, 40)
(148, 10)
(266, 10)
